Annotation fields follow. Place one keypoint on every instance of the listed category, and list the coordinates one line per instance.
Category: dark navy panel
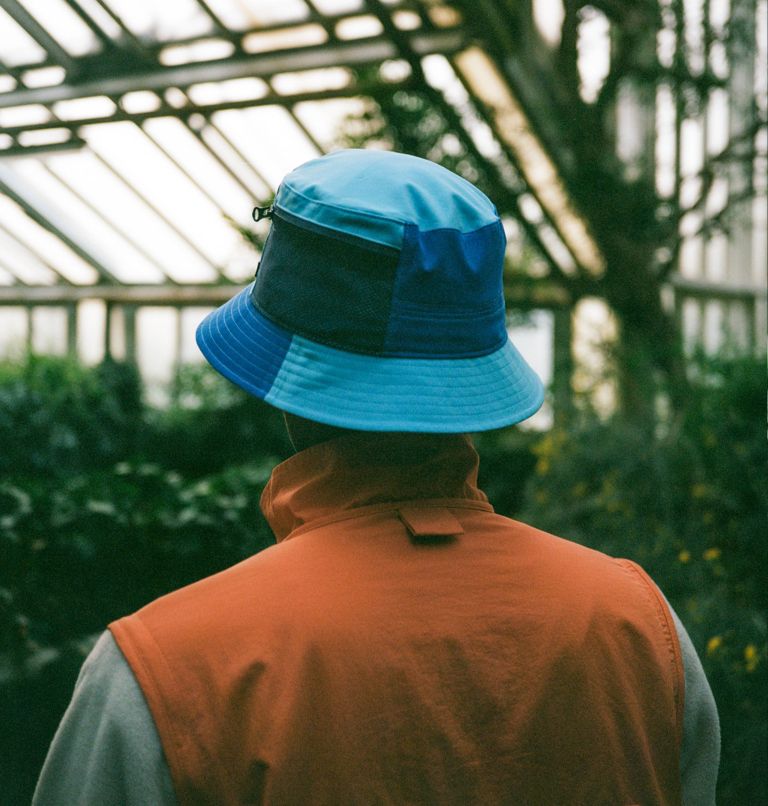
(448, 298)
(332, 290)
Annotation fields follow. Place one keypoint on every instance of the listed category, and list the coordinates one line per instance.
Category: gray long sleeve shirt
(107, 751)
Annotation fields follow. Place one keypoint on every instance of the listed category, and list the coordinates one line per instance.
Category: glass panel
(135, 103)
(328, 78)
(94, 107)
(91, 319)
(63, 25)
(177, 139)
(44, 137)
(52, 250)
(237, 89)
(190, 319)
(665, 141)
(166, 21)
(534, 340)
(156, 349)
(44, 77)
(406, 20)
(280, 145)
(245, 14)
(16, 45)
(18, 259)
(14, 324)
(302, 36)
(49, 330)
(127, 212)
(718, 117)
(153, 175)
(332, 7)
(244, 172)
(86, 228)
(26, 115)
(358, 27)
(324, 118)
(548, 16)
(6, 278)
(444, 16)
(594, 46)
(204, 51)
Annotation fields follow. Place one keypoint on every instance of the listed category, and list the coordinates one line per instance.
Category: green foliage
(689, 502)
(126, 535)
(106, 504)
(57, 416)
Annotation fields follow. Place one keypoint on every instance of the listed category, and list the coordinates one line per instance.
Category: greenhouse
(625, 148)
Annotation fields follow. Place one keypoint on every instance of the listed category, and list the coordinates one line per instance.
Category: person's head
(377, 305)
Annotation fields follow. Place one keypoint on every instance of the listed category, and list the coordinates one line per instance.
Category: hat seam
(344, 348)
(377, 216)
(339, 235)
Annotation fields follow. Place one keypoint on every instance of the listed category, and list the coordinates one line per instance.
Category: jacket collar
(358, 470)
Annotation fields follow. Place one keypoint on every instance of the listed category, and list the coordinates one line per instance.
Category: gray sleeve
(106, 750)
(700, 751)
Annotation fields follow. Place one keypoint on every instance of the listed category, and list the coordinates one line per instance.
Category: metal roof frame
(129, 64)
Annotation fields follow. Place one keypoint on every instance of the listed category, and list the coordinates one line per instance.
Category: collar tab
(430, 524)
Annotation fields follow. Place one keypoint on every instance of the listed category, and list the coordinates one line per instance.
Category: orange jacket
(403, 644)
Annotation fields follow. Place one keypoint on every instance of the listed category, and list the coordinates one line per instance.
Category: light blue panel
(373, 193)
(402, 394)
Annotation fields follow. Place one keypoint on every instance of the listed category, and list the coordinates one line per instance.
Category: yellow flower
(751, 657)
(712, 554)
(684, 556)
(542, 466)
(714, 643)
(541, 496)
(699, 490)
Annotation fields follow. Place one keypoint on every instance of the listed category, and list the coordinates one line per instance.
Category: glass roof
(136, 136)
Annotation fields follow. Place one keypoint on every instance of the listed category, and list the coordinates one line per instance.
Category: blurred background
(624, 145)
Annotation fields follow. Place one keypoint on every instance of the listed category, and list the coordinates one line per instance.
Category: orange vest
(403, 644)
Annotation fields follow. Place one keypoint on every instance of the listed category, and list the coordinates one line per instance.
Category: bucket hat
(378, 303)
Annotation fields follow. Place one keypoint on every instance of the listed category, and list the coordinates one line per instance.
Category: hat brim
(364, 392)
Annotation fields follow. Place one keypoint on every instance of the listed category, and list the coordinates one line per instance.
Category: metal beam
(206, 110)
(706, 289)
(263, 65)
(520, 291)
(25, 20)
(74, 143)
(202, 295)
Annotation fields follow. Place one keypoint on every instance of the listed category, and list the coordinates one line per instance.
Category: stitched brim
(362, 392)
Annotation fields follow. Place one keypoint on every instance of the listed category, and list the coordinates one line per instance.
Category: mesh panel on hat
(337, 292)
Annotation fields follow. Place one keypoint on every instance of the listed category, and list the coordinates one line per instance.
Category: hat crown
(373, 194)
(384, 254)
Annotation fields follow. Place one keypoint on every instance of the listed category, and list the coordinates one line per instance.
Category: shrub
(689, 502)
(57, 416)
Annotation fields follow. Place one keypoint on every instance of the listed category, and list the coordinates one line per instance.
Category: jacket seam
(673, 647)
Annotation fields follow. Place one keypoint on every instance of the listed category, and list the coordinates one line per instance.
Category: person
(401, 643)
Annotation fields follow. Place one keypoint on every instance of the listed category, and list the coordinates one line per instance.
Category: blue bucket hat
(378, 303)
